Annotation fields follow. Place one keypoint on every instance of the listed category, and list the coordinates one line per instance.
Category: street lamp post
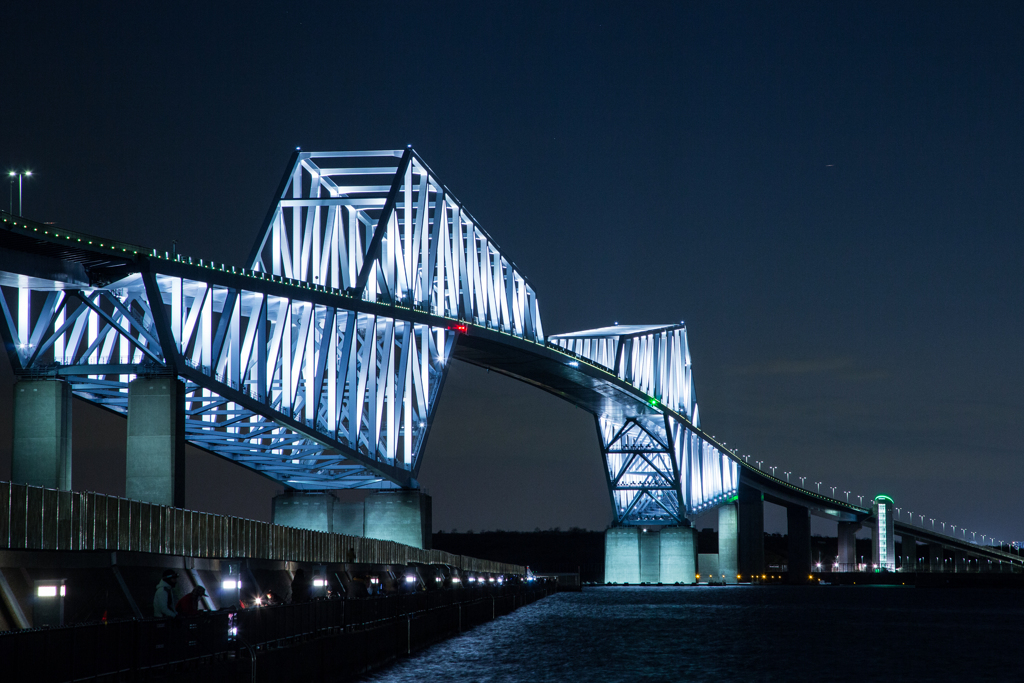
(759, 463)
(787, 476)
(819, 486)
(833, 490)
(847, 496)
(802, 482)
(773, 468)
(21, 176)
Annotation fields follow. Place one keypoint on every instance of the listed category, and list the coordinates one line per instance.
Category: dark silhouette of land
(580, 550)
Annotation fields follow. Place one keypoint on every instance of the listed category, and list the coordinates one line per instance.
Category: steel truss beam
(320, 364)
(659, 468)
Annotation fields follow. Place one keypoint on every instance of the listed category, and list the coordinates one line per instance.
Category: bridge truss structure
(320, 362)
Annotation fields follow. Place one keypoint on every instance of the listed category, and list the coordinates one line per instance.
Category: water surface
(738, 633)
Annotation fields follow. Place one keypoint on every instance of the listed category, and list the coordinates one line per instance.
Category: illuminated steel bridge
(320, 362)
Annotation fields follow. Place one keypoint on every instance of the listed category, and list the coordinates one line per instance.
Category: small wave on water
(737, 633)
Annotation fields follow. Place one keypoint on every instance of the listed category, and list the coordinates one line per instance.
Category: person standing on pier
(189, 604)
(301, 587)
(163, 600)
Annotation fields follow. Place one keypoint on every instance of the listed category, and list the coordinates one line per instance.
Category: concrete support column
(728, 543)
(750, 558)
(402, 516)
(41, 454)
(318, 511)
(650, 556)
(959, 561)
(622, 555)
(155, 465)
(847, 533)
(934, 557)
(678, 555)
(798, 528)
(909, 553)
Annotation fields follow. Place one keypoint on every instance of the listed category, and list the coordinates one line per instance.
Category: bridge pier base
(728, 542)
(935, 557)
(622, 555)
(155, 463)
(678, 555)
(909, 553)
(750, 560)
(959, 561)
(798, 528)
(650, 556)
(318, 511)
(403, 516)
(847, 537)
(42, 434)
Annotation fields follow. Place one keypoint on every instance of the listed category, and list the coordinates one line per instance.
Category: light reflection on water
(738, 633)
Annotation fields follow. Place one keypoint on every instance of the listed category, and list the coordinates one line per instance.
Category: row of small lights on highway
(964, 531)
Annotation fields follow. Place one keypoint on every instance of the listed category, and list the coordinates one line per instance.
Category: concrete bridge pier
(622, 555)
(935, 557)
(847, 537)
(798, 528)
(909, 553)
(42, 434)
(155, 463)
(750, 560)
(650, 556)
(402, 516)
(728, 543)
(959, 561)
(678, 555)
(318, 511)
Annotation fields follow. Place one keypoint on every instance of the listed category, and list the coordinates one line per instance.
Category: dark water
(739, 633)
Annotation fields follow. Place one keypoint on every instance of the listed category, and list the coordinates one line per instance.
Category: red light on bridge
(459, 328)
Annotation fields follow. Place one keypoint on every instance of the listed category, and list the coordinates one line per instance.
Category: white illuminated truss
(659, 467)
(320, 363)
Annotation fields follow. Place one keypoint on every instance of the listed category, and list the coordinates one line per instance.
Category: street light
(21, 175)
(847, 496)
(787, 476)
(773, 468)
(834, 491)
(932, 521)
(922, 519)
(802, 482)
(759, 463)
(819, 486)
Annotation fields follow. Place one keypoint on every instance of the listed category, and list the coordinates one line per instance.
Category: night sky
(829, 194)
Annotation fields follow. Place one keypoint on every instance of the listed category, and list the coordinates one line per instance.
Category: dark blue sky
(829, 195)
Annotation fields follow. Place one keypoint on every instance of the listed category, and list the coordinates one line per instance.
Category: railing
(34, 518)
(382, 627)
